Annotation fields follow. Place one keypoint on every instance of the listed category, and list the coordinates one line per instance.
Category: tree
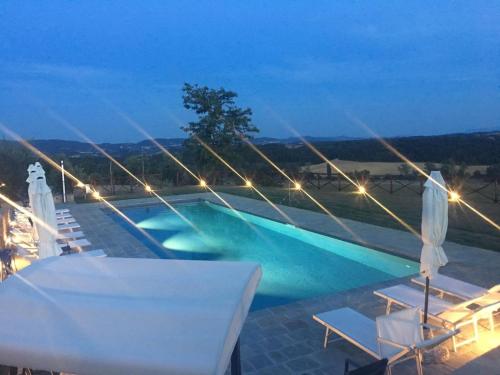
(455, 172)
(429, 167)
(493, 171)
(14, 161)
(404, 169)
(220, 125)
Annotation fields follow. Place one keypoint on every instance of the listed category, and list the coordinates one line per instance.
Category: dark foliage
(220, 125)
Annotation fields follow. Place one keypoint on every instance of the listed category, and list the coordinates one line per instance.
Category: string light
(94, 193)
(361, 189)
(421, 171)
(246, 181)
(203, 183)
(454, 196)
(148, 188)
(358, 186)
(298, 186)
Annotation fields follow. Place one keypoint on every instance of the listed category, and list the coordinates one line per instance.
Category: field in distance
(376, 168)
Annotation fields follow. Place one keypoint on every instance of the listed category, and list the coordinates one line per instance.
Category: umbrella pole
(426, 303)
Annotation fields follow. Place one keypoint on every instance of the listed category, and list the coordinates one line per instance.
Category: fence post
(338, 183)
(111, 178)
(496, 192)
(390, 185)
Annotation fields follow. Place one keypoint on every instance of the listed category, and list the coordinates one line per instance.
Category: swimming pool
(296, 263)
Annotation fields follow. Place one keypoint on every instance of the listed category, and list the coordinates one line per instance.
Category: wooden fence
(393, 184)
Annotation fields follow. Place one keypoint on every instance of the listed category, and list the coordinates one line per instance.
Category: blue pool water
(296, 263)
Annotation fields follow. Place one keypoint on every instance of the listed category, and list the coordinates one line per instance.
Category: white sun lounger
(376, 339)
(65, 220)
(90, 253)
(62, 211)
(453, 287)
(69, 226)
(70, 236)
(82, 242)
(450, 315)
(63, 214)
(77, 244)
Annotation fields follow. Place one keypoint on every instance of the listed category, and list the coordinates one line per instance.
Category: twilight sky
(403, 67)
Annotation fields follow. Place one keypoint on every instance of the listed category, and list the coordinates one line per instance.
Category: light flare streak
(146, 187)
(298, 187)
(29, 214)
(361, 189)
(56, 165)
(396, 152)
(37, 152)
(200, 180)
(247, 182)
(136, 126)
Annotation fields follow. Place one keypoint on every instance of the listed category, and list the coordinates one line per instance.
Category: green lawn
(465, 227)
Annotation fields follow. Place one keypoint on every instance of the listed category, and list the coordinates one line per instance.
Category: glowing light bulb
(148, 188)
(454, 196)
(361, 190)
(297, 186)
(203, 183)
(248, 183)
(96, 195)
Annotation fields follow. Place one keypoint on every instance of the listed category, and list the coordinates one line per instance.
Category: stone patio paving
(285, 339)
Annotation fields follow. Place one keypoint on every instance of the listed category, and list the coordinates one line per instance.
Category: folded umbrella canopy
(434, 227)
(42, 207)
(33, 173)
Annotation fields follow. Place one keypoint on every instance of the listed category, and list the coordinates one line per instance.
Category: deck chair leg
(325, 342)
(492, 323)
(476, 332)
(454, 343)
(418, 359)
(388, 308)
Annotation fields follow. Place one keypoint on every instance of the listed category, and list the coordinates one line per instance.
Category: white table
(90, 315)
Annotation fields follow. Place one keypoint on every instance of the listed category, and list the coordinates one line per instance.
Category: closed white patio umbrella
(33, 173)
(42, 207)
(434, 227)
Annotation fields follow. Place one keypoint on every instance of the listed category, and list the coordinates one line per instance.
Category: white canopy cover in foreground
(89, 316)
(434, 225)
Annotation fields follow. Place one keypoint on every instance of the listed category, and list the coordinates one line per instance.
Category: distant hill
(480, 148)
(473, 148)
(295, 140)
(75, 148)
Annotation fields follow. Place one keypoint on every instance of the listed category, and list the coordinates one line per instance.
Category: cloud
(420, 71)
(29, 72)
